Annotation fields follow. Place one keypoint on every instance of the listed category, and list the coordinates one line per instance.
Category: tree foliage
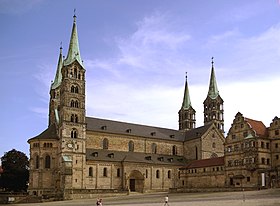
(15, 171)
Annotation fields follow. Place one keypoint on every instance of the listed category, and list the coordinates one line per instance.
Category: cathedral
(79, 156)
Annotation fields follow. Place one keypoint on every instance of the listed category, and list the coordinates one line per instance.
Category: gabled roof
(139, 157)
(218, 161)
(49, 133)
(257, 126)
(197, 132)
(116, 127)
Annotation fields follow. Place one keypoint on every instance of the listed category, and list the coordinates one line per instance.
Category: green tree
(15, 171)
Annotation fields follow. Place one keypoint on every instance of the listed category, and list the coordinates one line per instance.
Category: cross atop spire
(73, 51)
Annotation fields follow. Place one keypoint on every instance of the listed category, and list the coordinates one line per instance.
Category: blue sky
(136, 53)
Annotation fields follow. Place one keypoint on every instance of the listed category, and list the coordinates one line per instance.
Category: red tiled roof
(218, 161)
(258, 126)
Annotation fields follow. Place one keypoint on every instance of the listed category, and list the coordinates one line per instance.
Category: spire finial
(74, 15)
(61, 46)
(212, 62)
(186, 75)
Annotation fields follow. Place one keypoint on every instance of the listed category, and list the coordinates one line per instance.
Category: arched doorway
(136, 181)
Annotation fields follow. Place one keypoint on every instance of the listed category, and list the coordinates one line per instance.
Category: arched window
(37, 162)
(157, 174)
(90, 172)
(154, 148)
(105, 172)
(75, 72)
(174, 150)
(131, 146)
(47, 161)
(105, 143)
(169, 174)
(74, 89)
(118, 172)
(74, 118)
(74, 133)
(76, 104)
(196, 153)
(72, 104)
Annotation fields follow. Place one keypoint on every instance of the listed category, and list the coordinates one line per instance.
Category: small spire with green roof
(187, 100)
(58, 75)
(213, 91)
(73, 51)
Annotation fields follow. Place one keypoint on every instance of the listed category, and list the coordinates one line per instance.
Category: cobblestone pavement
(270, 197)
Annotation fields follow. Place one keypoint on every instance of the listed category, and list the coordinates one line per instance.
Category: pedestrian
(166, 200)
(98, 202)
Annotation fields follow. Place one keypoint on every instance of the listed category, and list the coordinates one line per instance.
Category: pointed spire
(213, 91)
(73, 51)
(58, 75)
(187, 100)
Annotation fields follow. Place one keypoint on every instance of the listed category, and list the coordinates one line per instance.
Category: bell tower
(213, 104)
(72, 125)
(186, 113)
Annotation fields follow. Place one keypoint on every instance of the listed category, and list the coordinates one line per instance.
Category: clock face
(70, 145)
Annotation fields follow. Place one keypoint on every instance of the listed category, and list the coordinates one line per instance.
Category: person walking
(166, 201)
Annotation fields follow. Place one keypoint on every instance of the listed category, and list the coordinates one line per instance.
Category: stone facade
(77, 156)
(252, 154)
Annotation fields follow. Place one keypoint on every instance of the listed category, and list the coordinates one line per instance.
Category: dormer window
(111, 155)
(148, 157)
(95, 154)
(153, 133)
(104, 127)
(160, 159)
(172, 136)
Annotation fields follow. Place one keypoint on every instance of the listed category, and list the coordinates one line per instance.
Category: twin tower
(213, 107)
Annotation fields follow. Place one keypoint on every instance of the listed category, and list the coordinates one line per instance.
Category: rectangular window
(276, 145)
(248, 179)
(262, 144)
(277, 157)
(118, 172)
(267, 145)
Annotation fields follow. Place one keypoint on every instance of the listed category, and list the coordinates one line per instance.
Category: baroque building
(78, 156)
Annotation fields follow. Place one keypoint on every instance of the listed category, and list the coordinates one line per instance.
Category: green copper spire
(58, 76)
(187, 100)
(213, 88)
(73, 51)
